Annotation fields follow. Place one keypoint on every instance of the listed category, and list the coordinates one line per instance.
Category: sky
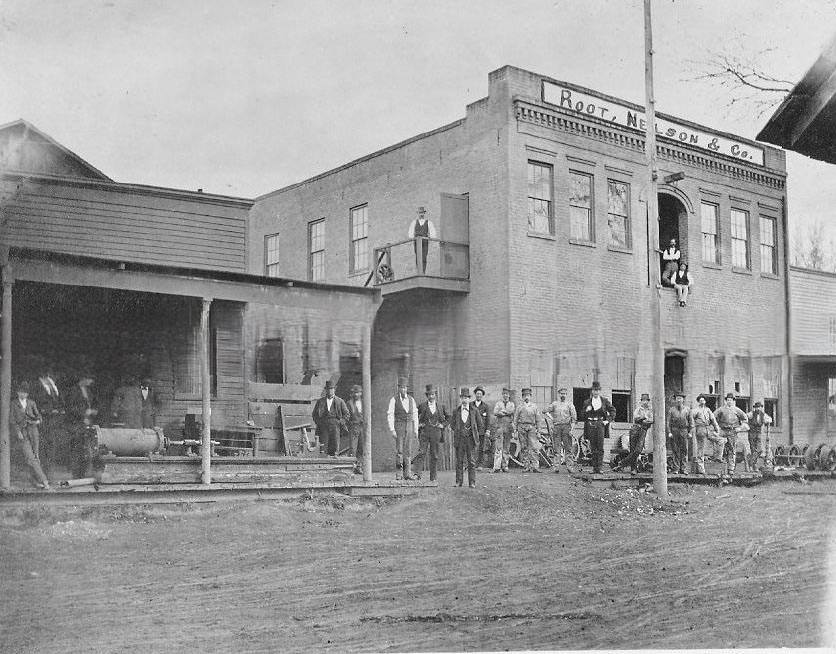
(242, 98)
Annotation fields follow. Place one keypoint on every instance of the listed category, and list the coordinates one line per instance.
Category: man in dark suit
(465, 424)
(81, 416)
(432, 419)
(50, 401)
(150, 404)
(330, 414)
(598, 412)
(485, 443)
(24, 419)
(356, 427)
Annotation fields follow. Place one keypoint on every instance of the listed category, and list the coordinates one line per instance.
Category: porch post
(367, 402)
(5, 370)
(205, 390)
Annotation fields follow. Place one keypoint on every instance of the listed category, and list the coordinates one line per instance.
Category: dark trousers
(29, 445)
(356, 436)
(329, 432)
(82, 444)
(594, 432)
(637, 438)
(429, 438)
(52, 434)
(679, 445)
(465, 453)
(425, 247)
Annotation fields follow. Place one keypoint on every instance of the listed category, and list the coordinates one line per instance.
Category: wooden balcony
(403, 266)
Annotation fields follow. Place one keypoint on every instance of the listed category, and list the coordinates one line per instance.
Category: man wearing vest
(432, 419)
(732, 421)
(465, 426)
(485, 443)
(757, 419)
(705, 429)
(50, 401)
(330, 415)
(503, 414)
(356, 427)
(564, 416)
(420, 230)
(680, 428)
(598, 411)
(402, 417)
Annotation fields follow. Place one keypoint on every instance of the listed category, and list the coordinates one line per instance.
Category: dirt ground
(520, 562)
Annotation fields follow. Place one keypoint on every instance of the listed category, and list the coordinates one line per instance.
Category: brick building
(539, 272)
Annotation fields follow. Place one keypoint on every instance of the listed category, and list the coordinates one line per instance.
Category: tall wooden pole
(5, 370)
(660, 456)
(367, 402)
(206, 391)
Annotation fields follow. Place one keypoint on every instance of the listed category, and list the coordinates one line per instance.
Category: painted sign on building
(592, 106)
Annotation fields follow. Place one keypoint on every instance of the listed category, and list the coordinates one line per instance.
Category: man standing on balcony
(420, 230)
(402, 417)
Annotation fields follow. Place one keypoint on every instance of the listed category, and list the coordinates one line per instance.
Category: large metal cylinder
(123, 441)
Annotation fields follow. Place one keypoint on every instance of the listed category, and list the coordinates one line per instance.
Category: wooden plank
(284, 392)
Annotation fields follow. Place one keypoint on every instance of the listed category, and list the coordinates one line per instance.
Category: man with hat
(432, 419)
(731, 421)
(356, 427)
(420, 230)
(50, 402)
(465, 426)
(485, 443)
(526, 423)
(150, 403)
(24, 419)
(758, 418)
(598, 412)
(680, 427)
(705, 428)
(330, 415)
(564, 416)
(503, 413)
(642, 420)
(402, 418)
(82, 410)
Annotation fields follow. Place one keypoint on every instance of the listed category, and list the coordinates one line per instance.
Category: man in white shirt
(420, 230)
(402, 418)
(330, 415)
(670, 261)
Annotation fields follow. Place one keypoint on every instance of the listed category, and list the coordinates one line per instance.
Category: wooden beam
(367, 401)
(205, 391)
(5, 371)
(813, 106)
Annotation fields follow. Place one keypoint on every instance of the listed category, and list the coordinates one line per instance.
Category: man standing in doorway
(465, 427)
(680, 427)
(564, 416)
(481, 407)
(705, 428)
(503, 414)
(432, 419)
(598, 411)
(402, 418)
(356, 427)
(732, 421)
(421, 230)
(330, 415)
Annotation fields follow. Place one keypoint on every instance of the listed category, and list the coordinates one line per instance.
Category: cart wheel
(617, 459)
(779, 456)
(829, 462)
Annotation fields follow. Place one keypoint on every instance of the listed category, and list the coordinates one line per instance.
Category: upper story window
(580, 206)
(540, 214)
(271, 255)
(740, 239)
(316, 250)
(769, 262)
(358, 251)
(710, 215)
(618, 213)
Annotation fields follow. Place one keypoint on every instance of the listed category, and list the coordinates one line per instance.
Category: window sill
(617, 248)
(769, 275)
(741, 271)
(587, 244)
(711, 264)
(543, 235)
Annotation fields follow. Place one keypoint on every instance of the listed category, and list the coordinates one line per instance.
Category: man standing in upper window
(420, 230)
(670, 261)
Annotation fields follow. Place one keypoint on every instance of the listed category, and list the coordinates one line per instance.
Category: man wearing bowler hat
(642, 419)
(330, 415)
(564, 416)
(732, 421)
(598, 412)
(527, 423)
(24, 419)
(705, 428)
(757, 419)
(503, 414)
(465, 426)
(432, 419)
(680, 427)
(420, 230)
(402, 418)
(485, 444)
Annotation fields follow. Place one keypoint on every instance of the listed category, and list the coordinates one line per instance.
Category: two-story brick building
(539, 272)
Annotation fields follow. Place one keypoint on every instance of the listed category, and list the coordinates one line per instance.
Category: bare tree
(813, 248)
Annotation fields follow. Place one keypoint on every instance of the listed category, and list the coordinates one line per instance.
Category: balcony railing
(426, 262)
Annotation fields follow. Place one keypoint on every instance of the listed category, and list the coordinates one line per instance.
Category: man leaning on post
(402, 418)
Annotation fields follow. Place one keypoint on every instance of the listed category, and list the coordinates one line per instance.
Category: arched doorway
(673, 224)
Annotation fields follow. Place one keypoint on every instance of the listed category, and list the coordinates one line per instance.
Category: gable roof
(24, 148)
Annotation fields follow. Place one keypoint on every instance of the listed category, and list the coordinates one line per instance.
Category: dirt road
(521, 562)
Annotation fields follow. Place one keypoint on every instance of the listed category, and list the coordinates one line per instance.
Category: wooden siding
(113, 222)
(813, 304)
